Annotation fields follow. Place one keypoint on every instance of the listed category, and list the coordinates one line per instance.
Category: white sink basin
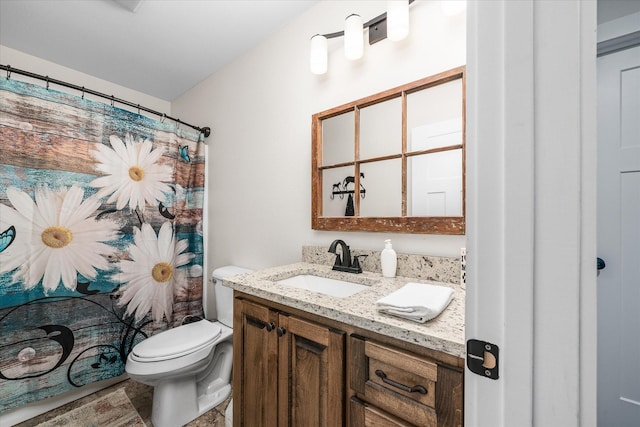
(324, 285)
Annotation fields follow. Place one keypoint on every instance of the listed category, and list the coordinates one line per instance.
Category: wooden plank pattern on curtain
(101, 240)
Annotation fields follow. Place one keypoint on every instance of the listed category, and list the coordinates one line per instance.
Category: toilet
(189, 366)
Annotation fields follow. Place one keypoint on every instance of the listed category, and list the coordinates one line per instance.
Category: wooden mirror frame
(454, 225)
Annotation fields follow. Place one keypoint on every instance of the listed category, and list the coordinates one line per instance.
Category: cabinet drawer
(396, 381)
(365, 415)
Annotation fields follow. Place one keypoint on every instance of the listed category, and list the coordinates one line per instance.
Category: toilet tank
(224, 295)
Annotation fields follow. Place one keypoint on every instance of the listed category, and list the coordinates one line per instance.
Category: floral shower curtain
(100, 237)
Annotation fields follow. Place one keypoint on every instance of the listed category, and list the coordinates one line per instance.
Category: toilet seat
(177, 342)
(167, 365)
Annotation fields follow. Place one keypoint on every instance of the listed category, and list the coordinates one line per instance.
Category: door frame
(531, 218)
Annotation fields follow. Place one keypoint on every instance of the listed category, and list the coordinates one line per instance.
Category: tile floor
(141, 397)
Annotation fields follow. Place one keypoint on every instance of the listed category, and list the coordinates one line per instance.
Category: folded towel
(416, 301)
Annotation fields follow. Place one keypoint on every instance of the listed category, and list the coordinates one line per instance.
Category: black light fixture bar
(377, 28)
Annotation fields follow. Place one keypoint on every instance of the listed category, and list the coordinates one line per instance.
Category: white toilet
(189, 366)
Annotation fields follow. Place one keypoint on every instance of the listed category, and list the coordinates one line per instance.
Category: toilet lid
(178, 341)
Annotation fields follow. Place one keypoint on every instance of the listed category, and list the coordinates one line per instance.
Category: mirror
(394, 161)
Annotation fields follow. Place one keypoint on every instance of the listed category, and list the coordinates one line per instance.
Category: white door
(436, 179)
(619, 238)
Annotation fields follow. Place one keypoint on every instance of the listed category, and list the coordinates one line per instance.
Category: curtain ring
(163, 117)
(138, 109)
(82, 92)
(112, 100)
(8, 71)
(177, 124)
(47, 77)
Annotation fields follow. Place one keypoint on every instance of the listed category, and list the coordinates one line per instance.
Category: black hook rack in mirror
(342, 188)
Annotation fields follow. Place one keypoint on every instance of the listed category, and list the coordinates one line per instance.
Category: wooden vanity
(306, 366)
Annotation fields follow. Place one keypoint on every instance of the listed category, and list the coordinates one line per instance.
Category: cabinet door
(255, 358)
(311, 374)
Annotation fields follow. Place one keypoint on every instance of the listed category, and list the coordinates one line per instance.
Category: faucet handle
(356, 262)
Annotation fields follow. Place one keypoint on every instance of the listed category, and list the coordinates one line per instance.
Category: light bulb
(353, 37)
(397, 19)
(318, 55)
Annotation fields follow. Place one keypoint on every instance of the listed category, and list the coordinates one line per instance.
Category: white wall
(23, 61)
(259, 108)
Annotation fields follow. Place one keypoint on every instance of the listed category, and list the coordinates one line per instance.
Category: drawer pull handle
(415, 389)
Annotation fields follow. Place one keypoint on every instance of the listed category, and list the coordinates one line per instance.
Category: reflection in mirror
(381, 129)
(336, 190)
(338, 139)
(434, 184)
(434, 116)
(394, 161)
(384, 188)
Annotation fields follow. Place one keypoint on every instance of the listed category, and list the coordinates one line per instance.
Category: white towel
(416, 301)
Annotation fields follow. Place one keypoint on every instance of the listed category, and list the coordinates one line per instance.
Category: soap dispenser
(388, 260)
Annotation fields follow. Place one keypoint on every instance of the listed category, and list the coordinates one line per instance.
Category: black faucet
(344, 263)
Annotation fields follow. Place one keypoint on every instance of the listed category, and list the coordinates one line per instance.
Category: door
(619, 238)
(311, 374)
(256, 353)
(436, 179)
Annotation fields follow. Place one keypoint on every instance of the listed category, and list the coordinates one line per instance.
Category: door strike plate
(482, 358)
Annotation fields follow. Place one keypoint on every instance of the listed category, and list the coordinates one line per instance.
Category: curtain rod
(9, 69)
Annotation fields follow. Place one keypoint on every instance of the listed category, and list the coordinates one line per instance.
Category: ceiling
(162, 48)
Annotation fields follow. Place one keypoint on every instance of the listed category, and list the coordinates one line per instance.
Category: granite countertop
(445, 333)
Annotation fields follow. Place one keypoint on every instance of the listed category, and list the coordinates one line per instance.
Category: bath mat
(113, 410)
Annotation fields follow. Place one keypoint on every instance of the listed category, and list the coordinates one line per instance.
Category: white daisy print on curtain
(133, 175)
(152, 276)
(56, 237)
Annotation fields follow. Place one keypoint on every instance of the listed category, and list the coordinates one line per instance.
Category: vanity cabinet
(293, 368)
(288, 371)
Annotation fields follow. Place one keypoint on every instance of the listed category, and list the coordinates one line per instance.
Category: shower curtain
(101, 240)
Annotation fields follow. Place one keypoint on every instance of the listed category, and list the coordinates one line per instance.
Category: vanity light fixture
(397, 20)
(453, 7)
(319, 57)
(353, 42)
(394, 23)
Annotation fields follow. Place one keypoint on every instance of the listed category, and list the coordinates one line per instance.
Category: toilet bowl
(189, 366)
